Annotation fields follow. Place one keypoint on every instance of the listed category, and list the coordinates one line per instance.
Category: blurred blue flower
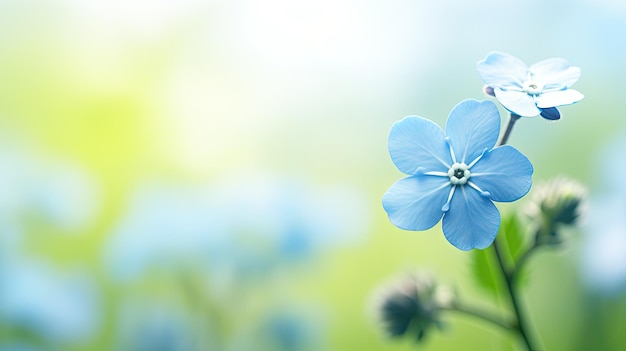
(604, 248)
(292, 331)
(59, 307)
(530, 91)
(236, 227)
(149, 325)
(603, 256)
(455, 176)
(56, 191)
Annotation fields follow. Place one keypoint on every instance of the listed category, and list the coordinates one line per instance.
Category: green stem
(508, 275)
(521, 261)
(509, 128)
(471, 311)
(209, 309)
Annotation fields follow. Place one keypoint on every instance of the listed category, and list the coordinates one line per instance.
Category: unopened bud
(411, 305)
(489, 91)
(558, 202)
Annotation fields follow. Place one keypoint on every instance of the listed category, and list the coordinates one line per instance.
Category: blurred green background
(227, 119)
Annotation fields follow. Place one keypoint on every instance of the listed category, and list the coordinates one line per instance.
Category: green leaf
(511, 237)
(486, 270)
(513, 244)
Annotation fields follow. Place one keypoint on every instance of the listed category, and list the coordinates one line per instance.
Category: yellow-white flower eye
(532, 87)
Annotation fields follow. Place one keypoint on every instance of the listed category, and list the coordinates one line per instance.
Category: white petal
(555, 73)
(517, 102)
(558, 98)
(499, 70)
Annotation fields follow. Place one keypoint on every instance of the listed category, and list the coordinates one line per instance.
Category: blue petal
(416, 142)
(555, 73)
(499, 70)
(473, 126)
(517, 102)
(472, 221)
(558, 98)
(504, 172)
(414, 203)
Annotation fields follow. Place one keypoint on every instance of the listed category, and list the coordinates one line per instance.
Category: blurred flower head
(557, 202)
(52, 190)
(411, 305)
(603, 256)
(150, 325)
(455, 175)
(234, 228)
(530, 91)
(59, 307)
(289, 329)
(604, 246)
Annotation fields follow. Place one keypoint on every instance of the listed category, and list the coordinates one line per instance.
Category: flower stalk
(509, 275)
(505, 324)
(509, 128)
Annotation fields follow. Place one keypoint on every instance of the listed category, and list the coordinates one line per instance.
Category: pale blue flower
(530, 91)
(239, 227)
(61, 193)
(60, 307)
(291, 331)
(455, 175)
(603, 253)
(148, 324)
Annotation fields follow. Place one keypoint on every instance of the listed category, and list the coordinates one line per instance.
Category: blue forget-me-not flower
(455, 175)
(530, 91)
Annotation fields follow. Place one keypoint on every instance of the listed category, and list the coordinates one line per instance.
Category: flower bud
(555, 203)
(411, 305)
(489, 90)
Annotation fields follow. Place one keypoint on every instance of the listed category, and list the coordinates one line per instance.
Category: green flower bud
(411, 306)
(555, 203)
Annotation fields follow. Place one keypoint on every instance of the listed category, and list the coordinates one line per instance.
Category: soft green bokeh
(189, 91)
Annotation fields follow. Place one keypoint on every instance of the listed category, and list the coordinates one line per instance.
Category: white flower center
(459, 174)
(532, 87)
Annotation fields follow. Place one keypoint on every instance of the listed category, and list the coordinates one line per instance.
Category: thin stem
(515, 302)
(521, 261)
(509, 128)
(494, 320)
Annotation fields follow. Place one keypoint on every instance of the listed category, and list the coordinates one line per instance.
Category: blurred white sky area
(218, 78)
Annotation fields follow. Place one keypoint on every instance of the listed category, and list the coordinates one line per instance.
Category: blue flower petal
(517, 102)
(555, 73)
(415, 142)
(414, 203)
(473, 220)
(558, 98)
(502, 70)
(504, 172)
(473, 126)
